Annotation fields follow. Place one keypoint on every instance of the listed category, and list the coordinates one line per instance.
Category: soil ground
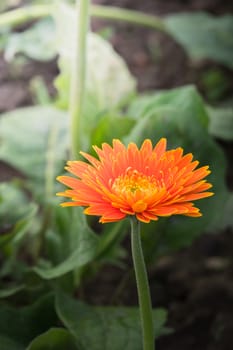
(196, 283)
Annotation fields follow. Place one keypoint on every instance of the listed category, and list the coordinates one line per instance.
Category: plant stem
(144, 297)
(78, 75)
(21, 15)
(24, 14)
(49, 191)
(130, 16)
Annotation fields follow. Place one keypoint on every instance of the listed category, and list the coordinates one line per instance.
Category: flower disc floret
(147, 182)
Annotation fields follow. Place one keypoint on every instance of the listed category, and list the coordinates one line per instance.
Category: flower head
(147, 182)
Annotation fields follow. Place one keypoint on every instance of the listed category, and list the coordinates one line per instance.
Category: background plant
(40, 248)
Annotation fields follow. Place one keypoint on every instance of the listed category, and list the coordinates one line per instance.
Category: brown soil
(194, 284)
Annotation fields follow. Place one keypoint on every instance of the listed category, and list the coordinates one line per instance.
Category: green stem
(49, 191)
(21, 15)
(130, 16)
(142, 287)
(78, 76)
(50, 164)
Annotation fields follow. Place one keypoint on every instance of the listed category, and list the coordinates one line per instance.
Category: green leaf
(34, 140)
(9, 344)
(228, 217)
(76, 247)
(53, 339)
(16, 214)
(104, 328)
(111, 127)
(4, 293)
(24, 324)
(221, 123)
(110, 248)
(37, 42)
(109, 82)
(215, 83)
(181, 117)
(203, 35)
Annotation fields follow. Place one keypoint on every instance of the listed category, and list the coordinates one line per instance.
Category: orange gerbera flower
(147, 182)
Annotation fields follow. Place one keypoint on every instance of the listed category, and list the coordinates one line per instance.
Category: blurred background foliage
(47, 252)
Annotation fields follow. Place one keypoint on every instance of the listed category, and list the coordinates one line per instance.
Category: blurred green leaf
(39, 91)
(53, 339)
(24, 324)
(4, 293)
(76, 245)
(228, 217)
(9, 344)
(203, 35)
(221, 122)
(109, 82)
(110, 248)
(111, 126)
(181, 117)
(215, 84)
(91, 111)
(105, 328)
(35, 140)
(37, 42)
(16, 213)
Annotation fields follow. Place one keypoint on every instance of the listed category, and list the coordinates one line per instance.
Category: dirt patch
(15, 82)
(154, 58)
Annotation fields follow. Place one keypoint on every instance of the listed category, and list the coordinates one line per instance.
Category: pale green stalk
(49, 191)
(24, 14)
(21, 15)
(130, 16)
(144, 297)
(78, 75)
(50, 164)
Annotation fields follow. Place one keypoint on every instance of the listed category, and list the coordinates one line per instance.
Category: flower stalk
(24, 14)
(78, 75)
(144, 297)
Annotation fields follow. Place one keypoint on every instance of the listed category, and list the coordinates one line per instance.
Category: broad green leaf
(37, 42)
(76, 245)
(16, 213)
(34, 140)
(24, 324)
(109, 82)
(105, 328)
(181, 117)
(111, 127)
(185, 99)
(221, 122)
(203, 35)
(53, 339)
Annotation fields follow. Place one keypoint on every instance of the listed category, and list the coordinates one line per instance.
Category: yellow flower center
(135, 188)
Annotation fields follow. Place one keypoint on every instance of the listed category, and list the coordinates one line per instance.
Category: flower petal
(146, 182)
